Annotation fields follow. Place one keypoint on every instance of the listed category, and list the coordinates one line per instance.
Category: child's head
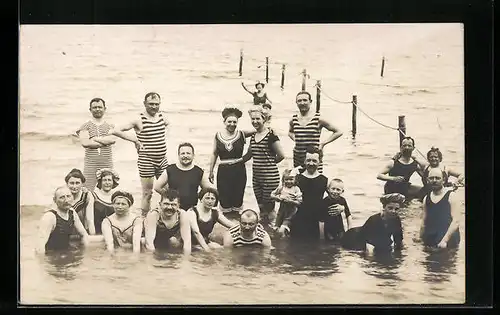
(335, 187)
(288, 178)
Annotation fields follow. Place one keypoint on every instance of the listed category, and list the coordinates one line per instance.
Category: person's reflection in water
(63, 264)
(439, 264)
(383, 265)
(311, 258)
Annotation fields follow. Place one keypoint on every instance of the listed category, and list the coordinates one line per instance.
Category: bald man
(59, 222)
(440, 218)
(248, 232)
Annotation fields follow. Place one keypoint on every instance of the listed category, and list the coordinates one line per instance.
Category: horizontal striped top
(239, 241)
(308, 134)
(97, 157)
(264, 158)
(152, 136)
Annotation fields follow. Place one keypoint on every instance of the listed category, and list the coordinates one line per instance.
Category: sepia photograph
(242, 164)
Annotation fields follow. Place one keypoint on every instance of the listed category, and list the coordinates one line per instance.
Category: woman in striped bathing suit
(83, 200)
(96, 138)
(305, 130)
(266, 151)
(122, 229)
(248, 233)
(151, 145)
(107, 181)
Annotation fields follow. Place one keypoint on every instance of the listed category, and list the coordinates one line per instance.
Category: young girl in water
(289, 196)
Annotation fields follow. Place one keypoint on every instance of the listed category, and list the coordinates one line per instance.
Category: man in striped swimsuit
(151, 144)
(305, 130)
(95, 137)
(248, 232)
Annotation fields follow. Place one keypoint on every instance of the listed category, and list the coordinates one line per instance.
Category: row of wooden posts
(401, 119)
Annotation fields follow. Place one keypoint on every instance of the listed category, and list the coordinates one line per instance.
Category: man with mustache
(248, 232)
(59, 222)
(184, 177)
(96, 138)
(305, 130)
(150, 128)
(440, 216)
(398, 171)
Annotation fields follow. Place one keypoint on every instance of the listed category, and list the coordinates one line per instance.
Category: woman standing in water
(259, 96)
(122, 229)
(107, 181)
(204, 216)
(266, 151)
(229, 144)
(83, 200)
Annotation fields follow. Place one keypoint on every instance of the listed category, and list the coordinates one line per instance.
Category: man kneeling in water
(247, 232)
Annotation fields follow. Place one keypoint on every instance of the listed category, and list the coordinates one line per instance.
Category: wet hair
(390, 198)
(231, 111)
(106, 173)
(408, 138)
(287, 173)
(76, 173)
(313, 150)
(171, 194)
(184, 144)
(211, 190)
(152, 94)
(259, 83)
(254, 212)
(96, 100)
(123, 194)
(304, 92)
(335, 180)
(435, 150)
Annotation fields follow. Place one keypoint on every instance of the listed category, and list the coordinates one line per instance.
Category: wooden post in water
(402, 127)
(354, 112)
(382, 68)
(304, 75)
(267, 69)
(318, 95)
(283, 76)
(241, 62)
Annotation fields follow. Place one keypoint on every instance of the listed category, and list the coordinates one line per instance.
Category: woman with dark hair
(434, 158)
(383, 231)
(107, 181)
(83, 200)
(122, 228)
(228, 145)
(204, 216)
(259, 96)
(266, 151)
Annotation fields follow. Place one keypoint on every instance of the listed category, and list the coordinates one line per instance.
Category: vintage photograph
(242, 164)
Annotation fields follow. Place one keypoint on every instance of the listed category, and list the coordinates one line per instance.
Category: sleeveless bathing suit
(163, 233)
(96, 159)
(305, 136)
(102, 209)
(80, 206)
(186, 183)
(400, 169)
(231, 179)
(153, 158)
(437, 221)
(206, 227)
(121, 238)
(259, 100)
(60, 236)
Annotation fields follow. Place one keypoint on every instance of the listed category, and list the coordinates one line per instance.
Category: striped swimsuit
(266, 176)
(239, 241)
(305, 136)
(153, 158)
(96, 159)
